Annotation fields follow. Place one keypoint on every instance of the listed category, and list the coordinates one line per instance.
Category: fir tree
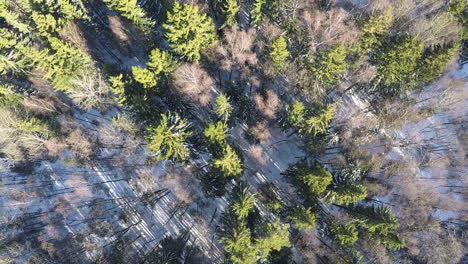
(279, 52)
(242, 202)
(132, 11)
(373, 30)
(12, 59)
(230, 10)
(396, 65)
(346, 234)
(303, 218)
(311, 181)
(160, 62)
(277, 237)
(329, 65)
(380, 224)
(8, 97)
(145, 77)
(308, 123)
(346, 188)
(229, 163)
(188, 32)
(223, 108)
(167, 141)
(118, 88)
(216, 134)
(433, 61)
(256, 12)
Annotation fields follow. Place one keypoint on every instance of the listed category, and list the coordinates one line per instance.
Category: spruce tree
(132, 11)
(346, 234)
(396, 65)
(229, 162)
(236, 236)
(241, 201)
(308, 122)
(12, 18)
(216, 134)
(329, 65)
(379, 224)
(373, 30)
(433, 61)
(223, 108)
(296, 115)
(8, 97)
(167, 140)
(188, 32)
(231, 10)
(12, 59)
(346, 188)
(279, 52)
(276, 237)
(310, 180)
(161, 62)
(256, 12)
(303, 218)
(118, 88)
(318, 124)
(144, 77)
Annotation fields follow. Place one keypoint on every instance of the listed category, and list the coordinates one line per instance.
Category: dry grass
(267, 104)
(258, 156)
(261, 132)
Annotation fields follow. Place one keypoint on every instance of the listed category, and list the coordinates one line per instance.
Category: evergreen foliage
(433, 61)
(223, 108)
(188, 32)
(132, 11)
(396, 65)
(8, 97)
(380, 224)
(346, 188)
(256, 12)
(167, 141)
(231, 10)
(310, 180)
(118, 88)
(307, 122)
(12, 59)
(229, 162)
(242, 202)
(160, 62)
(52, 16)
(374, 29)
(303, 218)
(145, 77)
(279, 52)
(346, 234)
(61, 63)
(238, 242)
(12, 18)
(277, 238)
(329, 65)
(216, 134)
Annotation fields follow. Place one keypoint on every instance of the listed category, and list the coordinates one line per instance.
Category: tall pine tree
(188, 32)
